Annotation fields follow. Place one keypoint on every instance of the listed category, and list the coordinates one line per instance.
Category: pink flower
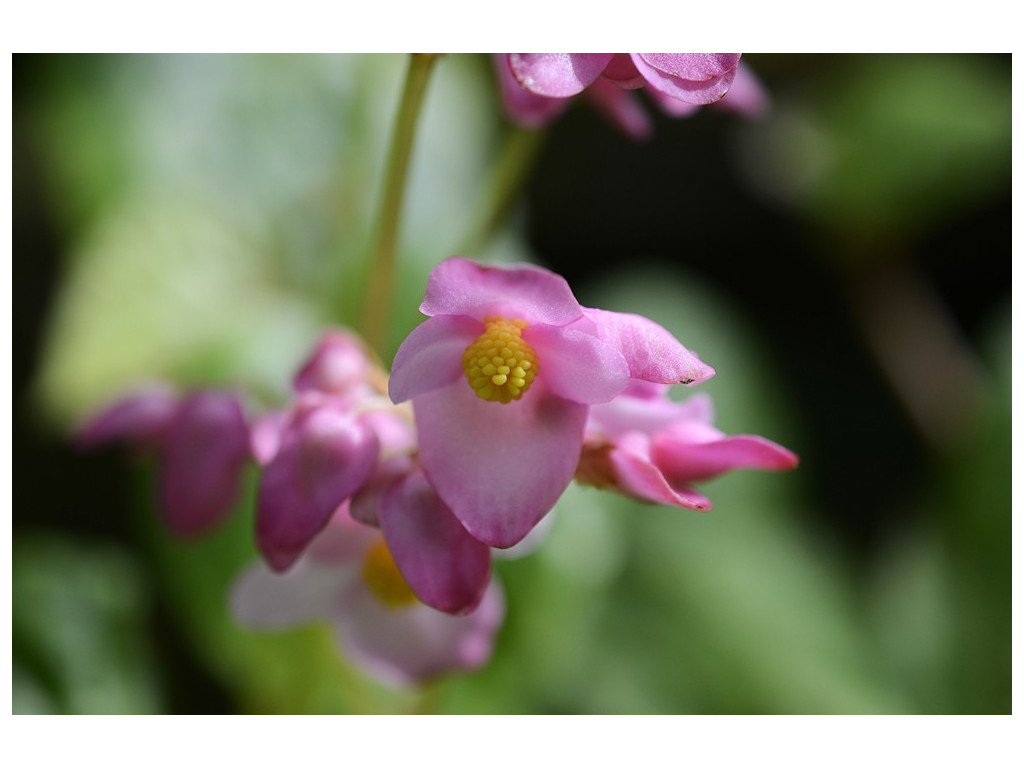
(502, 376)
(319, 451)
(201, 439)
(349, 578)
(536, 87)
(653, 449)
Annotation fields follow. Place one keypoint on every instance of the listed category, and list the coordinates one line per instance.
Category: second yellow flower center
(384, 579)
(499, 365)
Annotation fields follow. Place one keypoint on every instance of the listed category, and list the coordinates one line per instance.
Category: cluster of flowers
(381, 499)
(537, 87)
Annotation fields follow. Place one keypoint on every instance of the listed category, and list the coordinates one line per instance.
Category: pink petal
(697, 78)
(522, 106)
(636, 475)
(265, 435)
(577, 366)
(685, 462)
(458, 286)
(411, 645)
(141, 419)
(204, 453)
(446, 567)
(653, 354)
(431, 356)
(325, 456)
(338, 365)
(621, 108)
(343, 540)
(263, 599)
(557, 74)
(366, 502)
(499, 467)
(672, 106)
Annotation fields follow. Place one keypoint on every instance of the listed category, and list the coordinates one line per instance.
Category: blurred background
(843, 262)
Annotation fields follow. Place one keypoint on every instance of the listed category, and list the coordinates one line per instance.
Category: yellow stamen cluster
(499, 365)
(384, 579)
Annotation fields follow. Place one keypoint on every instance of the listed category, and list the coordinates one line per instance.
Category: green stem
(520, 149)
(377, 308)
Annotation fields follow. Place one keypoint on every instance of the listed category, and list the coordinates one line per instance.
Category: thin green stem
(377, 308)
(518, 152)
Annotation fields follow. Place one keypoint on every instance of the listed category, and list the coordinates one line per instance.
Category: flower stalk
(377, 308)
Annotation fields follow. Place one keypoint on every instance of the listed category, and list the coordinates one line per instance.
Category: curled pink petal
(459, 286)
(431, 356)
(339, 365)
(636, 475)
(325, 456)
(499, 467)
(204, 453)
(557, 74)
(416, 644)
(697, 78)
(140, 419)
(578, 366)
(747, 95)
(686, 462)
(524, 107)
(653, 354)
(446, 567)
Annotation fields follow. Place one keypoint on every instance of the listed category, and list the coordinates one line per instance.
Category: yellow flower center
(499, 365)
(384, 579)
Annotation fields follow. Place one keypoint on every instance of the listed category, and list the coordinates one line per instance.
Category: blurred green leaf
(891, 144)
(80, 644)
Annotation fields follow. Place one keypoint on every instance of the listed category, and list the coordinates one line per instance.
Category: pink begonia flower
(201, 440)
(347, 577)
(646, 446)
(536, 87)
(502, 375)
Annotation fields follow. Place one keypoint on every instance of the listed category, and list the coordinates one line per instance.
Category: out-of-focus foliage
(216, 212)
(889, 145)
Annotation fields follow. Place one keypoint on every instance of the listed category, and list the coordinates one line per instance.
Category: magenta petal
(697, 78)
(499, 468)
(337, 366)
(412, 645)
(325, 456)
(685, 462)
(204, 453)
(636, 475)
(522, 106)
(458, 286)
(446, 567)
(653, 354)
(557, 74)
(576, 365)
(431, 356)
(141, 419)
